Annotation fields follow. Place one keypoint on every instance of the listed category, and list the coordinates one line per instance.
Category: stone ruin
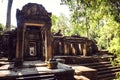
(33, 33)
(32, 39)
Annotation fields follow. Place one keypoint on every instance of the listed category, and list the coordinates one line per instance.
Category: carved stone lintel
(32, 12)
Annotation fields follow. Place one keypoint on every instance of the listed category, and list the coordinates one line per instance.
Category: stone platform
(84, 59)
(89, 73)
(8, 72)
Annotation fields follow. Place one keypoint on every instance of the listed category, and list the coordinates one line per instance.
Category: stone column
(19, 52)
(65, 48)
(48, 47)
(62, 47)
(73, 48)
(84, 50)
(80, 48)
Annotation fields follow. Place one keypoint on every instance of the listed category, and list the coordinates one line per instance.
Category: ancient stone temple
(33, 33)
(31, 52)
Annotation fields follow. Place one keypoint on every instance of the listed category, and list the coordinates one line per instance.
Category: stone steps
(110, 70)
(86, 72)
(109, 76)
(80, 77)
(37, 77)
(107, 68)
(37, 72)
(83, 59)
(105, 71)
(97, 64)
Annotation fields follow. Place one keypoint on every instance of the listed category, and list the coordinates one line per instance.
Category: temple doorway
(33, 43)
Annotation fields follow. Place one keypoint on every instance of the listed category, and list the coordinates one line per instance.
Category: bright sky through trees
(50, 5)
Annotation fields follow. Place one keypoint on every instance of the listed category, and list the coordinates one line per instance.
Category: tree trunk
(8, 20)
(87, 27)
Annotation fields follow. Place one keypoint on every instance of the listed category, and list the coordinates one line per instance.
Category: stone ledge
(81, 78)
(85, 71)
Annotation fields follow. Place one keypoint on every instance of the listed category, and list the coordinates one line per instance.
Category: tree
(8, 21)
(93, 15)
(103, 22)
(84, 13)
(115, 4)
(60, 23)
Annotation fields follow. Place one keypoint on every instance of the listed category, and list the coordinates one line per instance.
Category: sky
(52, 6)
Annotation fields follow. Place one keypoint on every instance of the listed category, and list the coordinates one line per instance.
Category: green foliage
(87, 14)
(100, 20)
(94, 18)
(115, 46)
(2, 27)
(61, 23)
(117, 76)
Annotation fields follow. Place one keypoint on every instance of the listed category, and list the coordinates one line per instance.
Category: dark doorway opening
(33, 43)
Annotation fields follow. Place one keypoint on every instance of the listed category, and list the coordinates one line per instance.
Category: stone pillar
(65, 48)
(84, 50)
(77, 52)
(46, 58)
(62, 47)
(19, 52)
(48, 47)
(70, 48)
(73, 48)
(80, 48)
